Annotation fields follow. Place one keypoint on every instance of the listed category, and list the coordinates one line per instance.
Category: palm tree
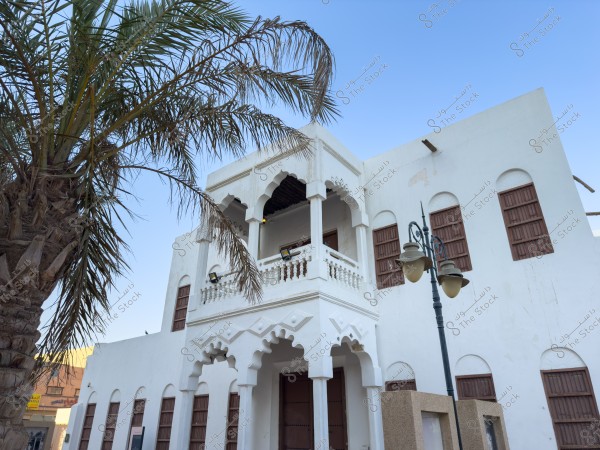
(91, 93)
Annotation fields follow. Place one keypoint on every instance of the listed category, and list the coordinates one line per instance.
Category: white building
(524, 332)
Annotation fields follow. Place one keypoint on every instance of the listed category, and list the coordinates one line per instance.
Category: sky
(409, 60)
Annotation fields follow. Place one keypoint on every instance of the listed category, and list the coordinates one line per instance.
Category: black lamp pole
(433, 247)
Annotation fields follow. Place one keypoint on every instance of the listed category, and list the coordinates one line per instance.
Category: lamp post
(414, 262)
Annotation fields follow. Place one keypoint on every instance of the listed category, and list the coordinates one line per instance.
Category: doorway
(296, 421)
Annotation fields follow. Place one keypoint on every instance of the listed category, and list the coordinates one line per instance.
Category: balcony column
(203, 239)
(319, 372)
(182, 419)
(253, 236)
(316, 193)
(361, 250)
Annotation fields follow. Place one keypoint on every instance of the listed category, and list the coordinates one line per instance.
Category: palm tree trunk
(19, 322)
(32, 259)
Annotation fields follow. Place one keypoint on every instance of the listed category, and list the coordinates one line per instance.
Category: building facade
(337, 323)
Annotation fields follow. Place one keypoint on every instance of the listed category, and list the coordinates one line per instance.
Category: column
(316, 193)
(375, 418)
(182, 419)
(319, 372)
(246, 417)
(253, 237)
(203, 240)
(361, 250)
(320, 412)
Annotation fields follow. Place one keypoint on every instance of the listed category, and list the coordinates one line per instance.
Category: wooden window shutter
(401, 385)
(87, 426)
(199, 420)
(137, 415)
(387, 250)
(111, 425)
(573, 408)
(478, 387)
(232, 421)
(447, 224)
(163, 440)
(181, 304)
(524, 221)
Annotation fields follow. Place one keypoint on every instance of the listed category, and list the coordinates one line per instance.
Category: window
(401, 385)
(181, 304)
(524, 221)
(167, 408)
(111, 426)
(87, 426)
(199, 419)
(54, 390)
(387, 250)
(572, 407)
(447, 224)
(137, 415)
(478, 387)
(232, 421)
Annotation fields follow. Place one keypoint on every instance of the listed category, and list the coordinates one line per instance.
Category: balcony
(276, 273)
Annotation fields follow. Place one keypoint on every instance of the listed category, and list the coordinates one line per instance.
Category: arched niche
(399, 371)
(556, 358)
(202, 389)
(184, 281)
(233, 387)
(115, 397)
(471, 365)
(442, 200)
(169, 391)
(140, 393)
(93, 397)
(512, 178)
(383, 219)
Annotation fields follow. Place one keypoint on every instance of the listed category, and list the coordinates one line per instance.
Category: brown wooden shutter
(199, 420)
(163, 440)
(232, 421)
(478, 387)
(137, 415)
(111, 425)
(87, 426)
(573, 408)
(447, 224)
(524, 221)
(387, 250)
(401, 385)
(181, 304)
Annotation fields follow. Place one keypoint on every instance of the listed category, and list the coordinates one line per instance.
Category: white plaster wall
(536, 301)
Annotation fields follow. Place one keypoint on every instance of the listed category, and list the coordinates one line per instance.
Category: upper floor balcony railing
(274, 271)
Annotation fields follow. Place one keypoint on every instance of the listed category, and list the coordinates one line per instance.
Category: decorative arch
(512, 178)
(471, 364)
(273, 184)
(228, 199)
(556, 358)
(357, 213)
(202, 388)
(233, 387)
(442, 200)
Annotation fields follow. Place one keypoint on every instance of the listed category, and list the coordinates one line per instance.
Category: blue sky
(425, 54)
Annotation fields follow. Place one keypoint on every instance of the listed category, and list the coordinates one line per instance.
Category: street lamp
(414, 262)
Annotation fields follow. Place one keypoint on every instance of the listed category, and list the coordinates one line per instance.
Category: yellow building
(49, 407)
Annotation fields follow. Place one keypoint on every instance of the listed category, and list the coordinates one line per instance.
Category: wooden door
(296, 421)
(573, 408)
